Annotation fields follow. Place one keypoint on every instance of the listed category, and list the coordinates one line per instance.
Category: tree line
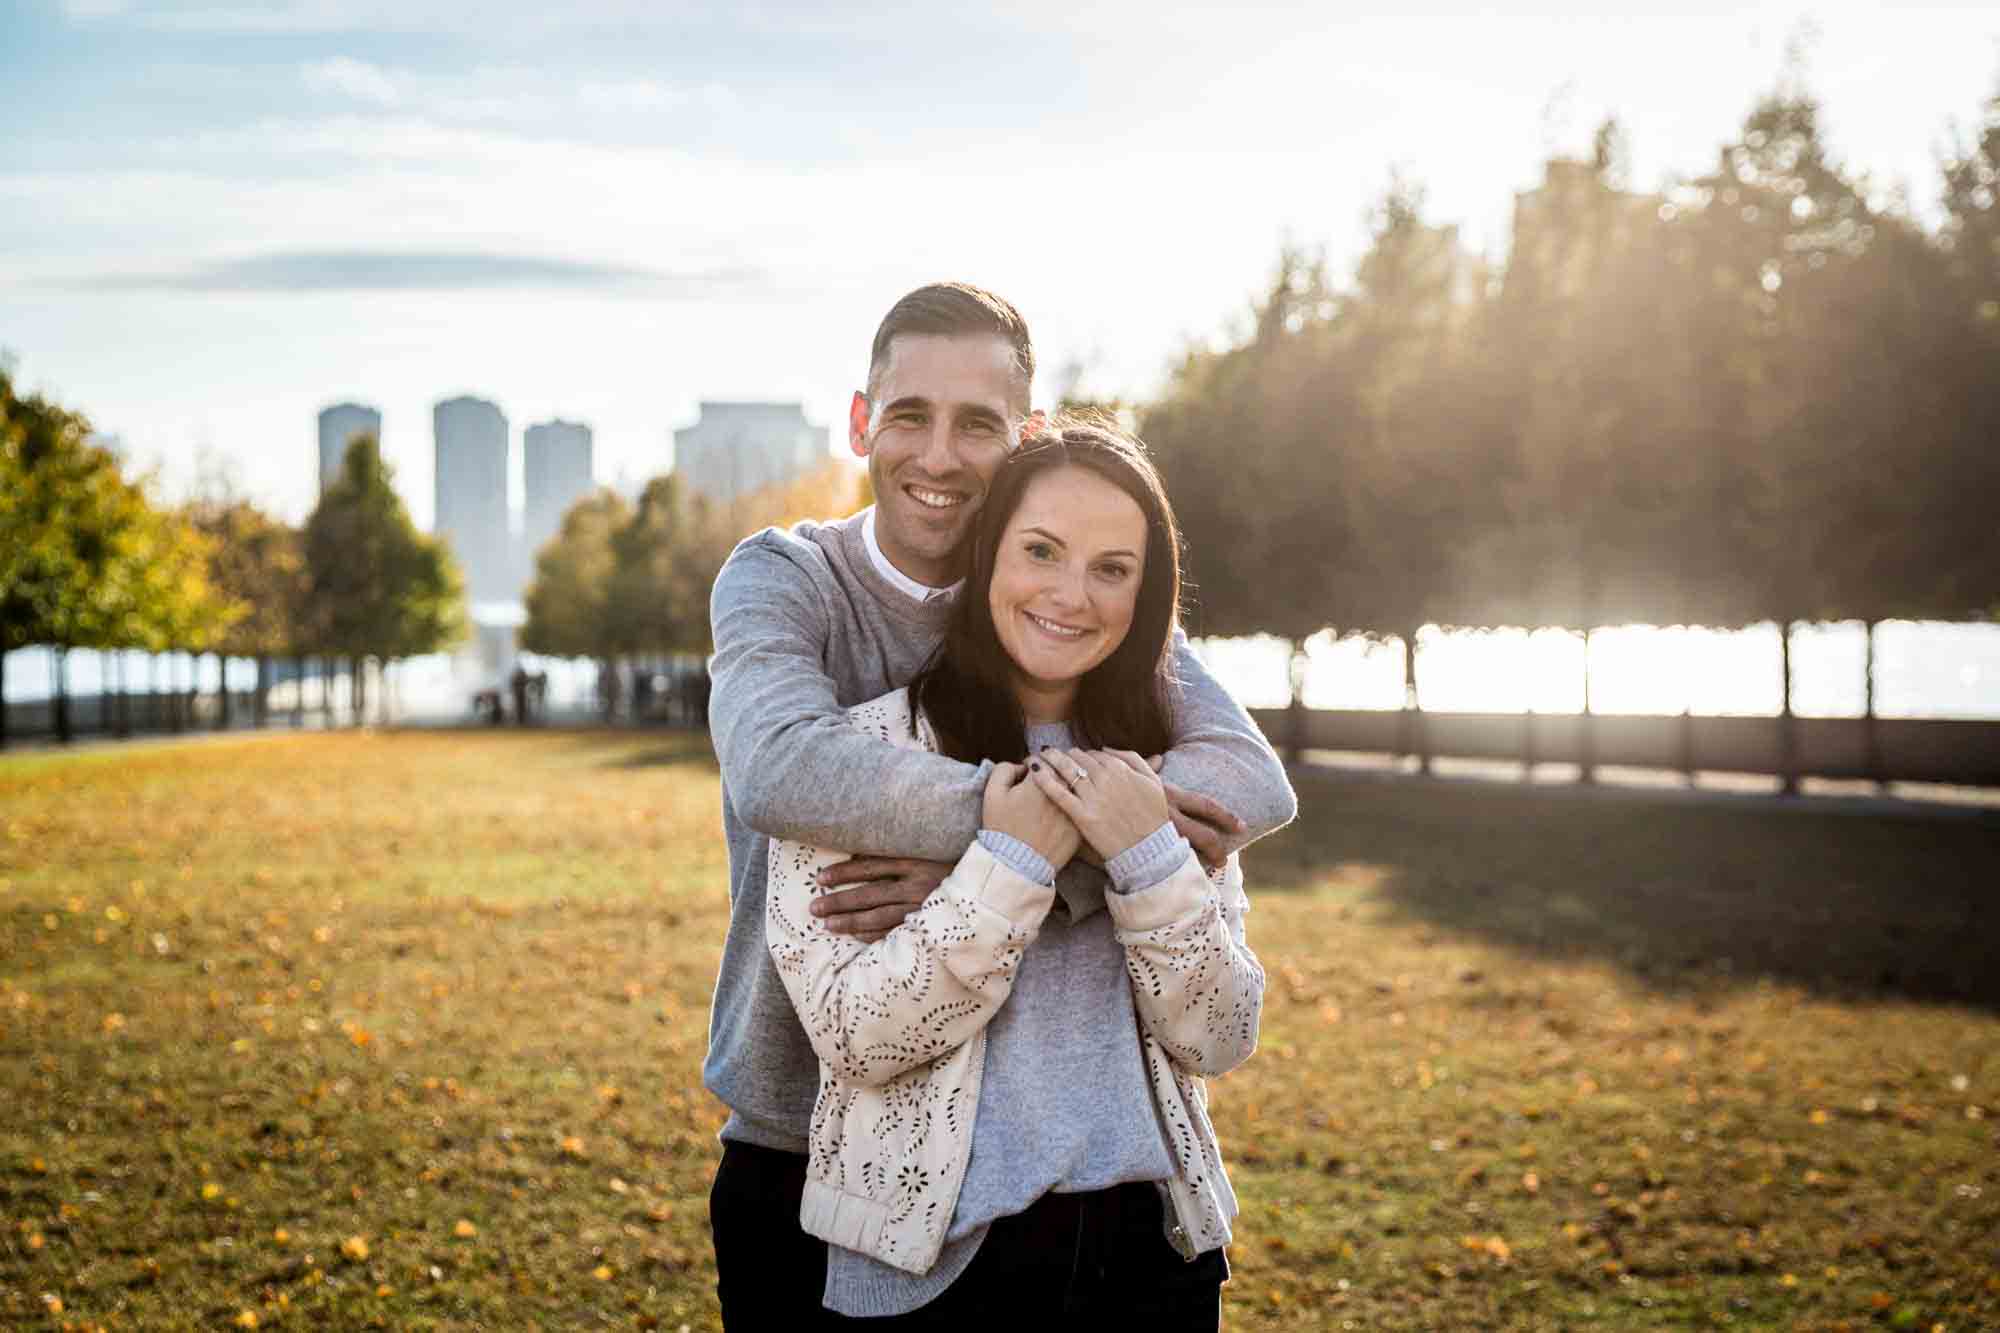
(626, 583)
(88, 560)
(1765, 394)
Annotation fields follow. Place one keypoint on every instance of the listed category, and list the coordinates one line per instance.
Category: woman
(1010, 1111)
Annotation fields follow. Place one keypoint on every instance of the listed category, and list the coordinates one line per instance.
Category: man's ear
(857, 424)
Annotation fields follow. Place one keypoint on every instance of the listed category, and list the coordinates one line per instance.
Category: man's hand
(886, 889)
(1209, 829)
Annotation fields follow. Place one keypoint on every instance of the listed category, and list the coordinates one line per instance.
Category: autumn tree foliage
(86, 559)
(624, 580)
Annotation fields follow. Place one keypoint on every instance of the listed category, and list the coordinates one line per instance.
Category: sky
(217, 218)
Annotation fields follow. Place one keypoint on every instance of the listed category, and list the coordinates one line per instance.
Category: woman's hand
(1111, 796)
(1018, 808)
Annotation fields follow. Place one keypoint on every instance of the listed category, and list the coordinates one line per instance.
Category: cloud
(420, 271)
(347, 77)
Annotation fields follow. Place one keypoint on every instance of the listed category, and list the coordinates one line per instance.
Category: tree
(1423, 455)
(662, 573)
(569, 599)
(86, 561)
(1958, 515)
(257, 563)
(380, 588)
(1248, 440)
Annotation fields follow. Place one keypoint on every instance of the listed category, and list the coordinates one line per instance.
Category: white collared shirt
(921, 592)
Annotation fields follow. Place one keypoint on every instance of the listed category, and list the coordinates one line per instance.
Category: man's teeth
(1062, 631)
(934, 499)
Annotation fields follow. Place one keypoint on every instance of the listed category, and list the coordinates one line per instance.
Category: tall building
(737, 448)
(556, 468)
(338, 425)
(472, 442)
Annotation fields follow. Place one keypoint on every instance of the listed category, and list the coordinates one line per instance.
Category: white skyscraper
(557, 473)
(472, 443)
(338, 425)
(736, 448)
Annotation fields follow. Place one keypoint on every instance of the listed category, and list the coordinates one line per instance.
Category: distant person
(610, 689)
(518, 683)
(1010, 1120)
(809, 622)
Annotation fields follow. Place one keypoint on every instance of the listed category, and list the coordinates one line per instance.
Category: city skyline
(499, 504)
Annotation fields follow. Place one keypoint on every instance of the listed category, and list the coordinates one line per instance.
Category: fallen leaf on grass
(355, 1248)
(248, 1319)
(602, 1272)
(464, 1229)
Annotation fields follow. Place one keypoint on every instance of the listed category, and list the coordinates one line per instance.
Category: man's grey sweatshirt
(805, 627)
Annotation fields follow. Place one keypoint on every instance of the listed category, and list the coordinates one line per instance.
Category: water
(1922, 669)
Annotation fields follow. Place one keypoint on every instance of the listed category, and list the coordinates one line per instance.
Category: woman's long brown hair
(1125, 702)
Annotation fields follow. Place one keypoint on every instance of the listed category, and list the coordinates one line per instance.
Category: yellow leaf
(464, 1229)
(572, 1146)
(355, 1248)
(602, 1272)
(210, 1190)
(35, 1241)
(1789, 1280)
(1531, 1182)
(114, 1023)
(1818, 1116)
(385, 1290)
(52, 1303)
(248, 1319)
(282, 1236)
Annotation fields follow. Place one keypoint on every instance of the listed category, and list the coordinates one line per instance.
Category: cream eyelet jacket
(900, 1029)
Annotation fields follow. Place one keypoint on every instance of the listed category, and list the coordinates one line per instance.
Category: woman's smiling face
(1065, 582)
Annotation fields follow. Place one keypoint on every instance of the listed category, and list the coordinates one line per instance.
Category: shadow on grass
(693, 752)
(1686, 897)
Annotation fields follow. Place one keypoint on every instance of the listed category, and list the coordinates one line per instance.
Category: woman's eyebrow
(1050, 535)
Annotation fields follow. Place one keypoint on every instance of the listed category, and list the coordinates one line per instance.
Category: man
(810, 622)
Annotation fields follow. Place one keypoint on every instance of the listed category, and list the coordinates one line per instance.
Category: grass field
(404, 1030)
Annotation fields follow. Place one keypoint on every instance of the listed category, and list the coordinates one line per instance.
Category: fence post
(1788, 741)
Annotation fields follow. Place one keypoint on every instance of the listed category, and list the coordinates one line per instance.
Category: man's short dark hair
(954, 310)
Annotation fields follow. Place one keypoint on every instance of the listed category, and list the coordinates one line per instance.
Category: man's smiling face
(936, 427)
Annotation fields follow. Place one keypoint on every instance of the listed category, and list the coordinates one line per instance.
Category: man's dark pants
(768, 1272)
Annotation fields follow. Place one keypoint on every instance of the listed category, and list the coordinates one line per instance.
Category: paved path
(1817, 796)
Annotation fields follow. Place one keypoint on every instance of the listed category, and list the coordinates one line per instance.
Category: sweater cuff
(1147, 861)
(1019, 857)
